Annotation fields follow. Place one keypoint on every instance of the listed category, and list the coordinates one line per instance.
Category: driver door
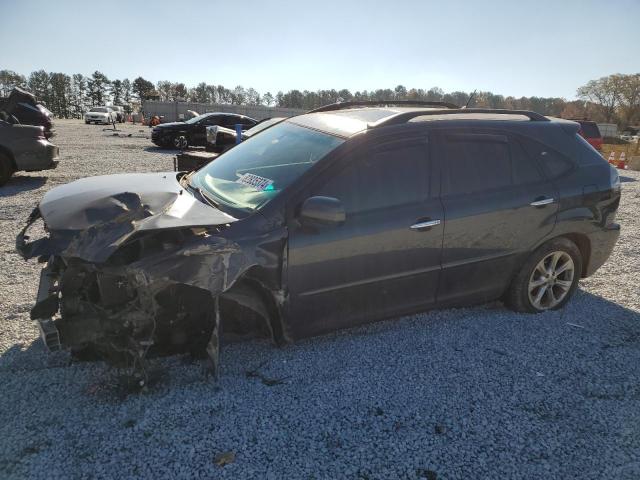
(379, 262)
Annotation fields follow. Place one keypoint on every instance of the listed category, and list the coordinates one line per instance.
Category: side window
(386, 176)
(553, 163)
(525, 169)
(212, 120)
(480, 162)
(230, 122)
(475, 163)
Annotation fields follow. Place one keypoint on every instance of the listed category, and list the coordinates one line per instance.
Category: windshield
(262, 126)
(101, 110)
(258, 169)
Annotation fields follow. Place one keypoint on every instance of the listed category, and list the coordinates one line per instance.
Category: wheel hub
(551, 280)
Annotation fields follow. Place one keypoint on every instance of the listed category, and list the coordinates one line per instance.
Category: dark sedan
(193, 132)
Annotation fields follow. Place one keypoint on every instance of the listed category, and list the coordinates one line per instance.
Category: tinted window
(590, 130)
(480, 162)
(387, 176)
(524, 168)
(230, 122)
(212, 120)
(475, 163)
(553, 163)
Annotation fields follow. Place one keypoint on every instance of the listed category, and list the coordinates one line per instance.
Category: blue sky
(535, 47)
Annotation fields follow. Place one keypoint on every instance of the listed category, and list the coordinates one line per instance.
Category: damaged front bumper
(153, 294)
(47, 294)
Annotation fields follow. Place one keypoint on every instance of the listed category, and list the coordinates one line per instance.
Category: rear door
(385, 259)
(497, 206)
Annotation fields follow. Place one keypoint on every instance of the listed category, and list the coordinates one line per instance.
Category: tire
(548, 279)
(6, 169)
(180, 142)
(86, 122)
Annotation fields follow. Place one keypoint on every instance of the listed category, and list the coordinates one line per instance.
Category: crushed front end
(129, 275)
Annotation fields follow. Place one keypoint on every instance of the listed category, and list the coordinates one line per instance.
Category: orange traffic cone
(622, 161)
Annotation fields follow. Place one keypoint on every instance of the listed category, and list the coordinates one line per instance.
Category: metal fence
(174, 111)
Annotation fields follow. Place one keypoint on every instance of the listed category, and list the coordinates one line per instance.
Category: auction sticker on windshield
(256, 181)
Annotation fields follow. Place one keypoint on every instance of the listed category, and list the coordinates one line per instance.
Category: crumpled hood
(90, 218)
(89, 201)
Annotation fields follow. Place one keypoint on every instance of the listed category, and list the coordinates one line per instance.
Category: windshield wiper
(205, 197)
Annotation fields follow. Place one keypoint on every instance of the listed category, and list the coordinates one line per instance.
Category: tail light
(614, 179)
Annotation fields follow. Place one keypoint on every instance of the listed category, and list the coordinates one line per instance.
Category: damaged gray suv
(351, 213)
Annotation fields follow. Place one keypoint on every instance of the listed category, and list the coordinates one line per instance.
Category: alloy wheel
(551, 280)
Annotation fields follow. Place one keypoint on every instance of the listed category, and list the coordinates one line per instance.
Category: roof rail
(371, 103)
(406, 116)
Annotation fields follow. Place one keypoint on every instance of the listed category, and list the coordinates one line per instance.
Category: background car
(119, 111)
(103, 115)
(591, 133)
(22, 105)
(193, 132)
(24, 147)
(222, 138)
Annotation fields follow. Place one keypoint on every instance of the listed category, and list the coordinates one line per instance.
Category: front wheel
(180, 142)
(548, 279)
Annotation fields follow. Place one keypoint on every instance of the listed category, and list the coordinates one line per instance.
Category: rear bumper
(602, 243)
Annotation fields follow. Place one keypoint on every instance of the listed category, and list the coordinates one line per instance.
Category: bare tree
(605, 92)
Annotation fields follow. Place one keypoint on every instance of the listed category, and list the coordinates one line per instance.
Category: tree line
(615, 98)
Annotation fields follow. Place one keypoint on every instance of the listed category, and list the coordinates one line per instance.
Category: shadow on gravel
(624, 179)
(618, 327)
(19, 184)
(171, 151)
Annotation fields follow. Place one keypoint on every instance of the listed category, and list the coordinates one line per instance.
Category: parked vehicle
(102, 115)
(222, 138)
(219, 139)
(23, 106)
(193, 132)
(24, 148)
(348, 214)
(590, 131)
(119, 111)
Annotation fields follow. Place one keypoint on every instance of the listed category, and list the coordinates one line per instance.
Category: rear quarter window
(553, 163)
(590, 130)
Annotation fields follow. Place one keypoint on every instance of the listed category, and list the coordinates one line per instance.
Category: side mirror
(322, 211)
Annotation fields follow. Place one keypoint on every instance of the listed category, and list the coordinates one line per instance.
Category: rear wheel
(548, 278)
(6, 169)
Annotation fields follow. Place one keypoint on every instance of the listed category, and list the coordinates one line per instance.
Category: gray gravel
(466, 393)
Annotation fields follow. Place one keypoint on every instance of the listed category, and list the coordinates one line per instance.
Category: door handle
(542, 202)
(427, 224)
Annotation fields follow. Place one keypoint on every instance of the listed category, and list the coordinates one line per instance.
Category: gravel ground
(465, 393)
